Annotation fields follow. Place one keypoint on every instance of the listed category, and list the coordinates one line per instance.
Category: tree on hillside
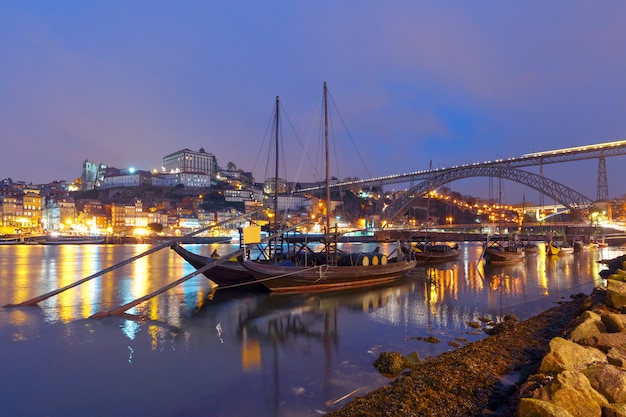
(155, 227)
(231, 166)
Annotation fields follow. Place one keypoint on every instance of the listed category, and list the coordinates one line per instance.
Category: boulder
(616, 294)
(589, 327)
(576, 403)
(389, 363)
(617, 356)
(530, 407)
(567, 355)
(614, 323)
(411, 360)
(605, 341)
(577, 381)
(609, 380)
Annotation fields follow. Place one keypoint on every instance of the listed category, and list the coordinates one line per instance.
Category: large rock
(567, 355)
(590, 327)
(617, 356)
(614, 323)
(573, 391)
(609, 380)
(616, 294)
(576, 403)
(530, 407)
(605, 341)
(389, 364)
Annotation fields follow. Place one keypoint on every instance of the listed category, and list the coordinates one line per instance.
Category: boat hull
(289, 278)
(493, 255)
(230, 274)
(424, 258)
(559, 250)
(72, 241)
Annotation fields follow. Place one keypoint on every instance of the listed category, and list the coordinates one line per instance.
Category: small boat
(559, 248)
(579, 245)
(231, 274)
(331, 269)
(501, 251)
(531, 248)
(72, 240)
(429, 253)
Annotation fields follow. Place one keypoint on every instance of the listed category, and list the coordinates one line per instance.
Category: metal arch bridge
(505, 168)
(561, 193)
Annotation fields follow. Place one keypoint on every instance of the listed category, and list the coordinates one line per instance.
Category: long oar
(36, 300)
(140, 300)
(171, 285)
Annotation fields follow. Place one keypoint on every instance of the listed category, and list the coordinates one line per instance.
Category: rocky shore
(567, 361)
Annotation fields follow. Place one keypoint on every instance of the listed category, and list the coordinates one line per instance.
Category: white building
(187, 179)
(293, 203)
(188, 161)
(238, 196)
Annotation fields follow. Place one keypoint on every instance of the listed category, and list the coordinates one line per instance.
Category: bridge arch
(561, 193)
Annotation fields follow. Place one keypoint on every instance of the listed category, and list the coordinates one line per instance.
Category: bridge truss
(501, 168)
(561, 193)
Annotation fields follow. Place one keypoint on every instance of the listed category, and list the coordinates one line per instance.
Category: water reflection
(252, 354)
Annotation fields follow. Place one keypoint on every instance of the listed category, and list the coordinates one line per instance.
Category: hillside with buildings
(192, 191)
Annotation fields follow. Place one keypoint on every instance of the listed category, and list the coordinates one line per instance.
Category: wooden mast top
(276, 171)
(327, 184)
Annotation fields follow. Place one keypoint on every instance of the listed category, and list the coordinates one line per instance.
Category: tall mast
(276, 172)
(327, 160)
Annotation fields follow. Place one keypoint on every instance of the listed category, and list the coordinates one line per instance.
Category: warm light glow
(141, 231)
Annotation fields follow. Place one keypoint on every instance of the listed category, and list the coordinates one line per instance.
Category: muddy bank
(468, 381)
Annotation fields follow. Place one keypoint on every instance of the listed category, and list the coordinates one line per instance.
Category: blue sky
(128, 82)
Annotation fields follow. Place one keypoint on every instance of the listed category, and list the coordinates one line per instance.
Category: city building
(32, 204)
(131, 178)
(92, 175)
(238, 196)
(188, 161)
(9, 210)
(187, 179)
(269, 186)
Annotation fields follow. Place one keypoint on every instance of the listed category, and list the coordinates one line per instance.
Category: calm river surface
(193, 352)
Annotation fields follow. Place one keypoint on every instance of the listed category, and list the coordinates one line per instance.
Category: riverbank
(476, 380)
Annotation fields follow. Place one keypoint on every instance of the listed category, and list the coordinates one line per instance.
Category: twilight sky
(128, 82)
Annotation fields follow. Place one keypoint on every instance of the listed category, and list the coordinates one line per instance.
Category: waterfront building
(8, 207)
(51, 217)
(32, 204)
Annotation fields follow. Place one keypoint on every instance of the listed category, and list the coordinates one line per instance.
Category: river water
(196, 352)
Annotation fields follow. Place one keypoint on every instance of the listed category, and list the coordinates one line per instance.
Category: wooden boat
(499, 251)
(330, 270)
(429, 253)
(229, 275)
(531, 248)
(287, 276)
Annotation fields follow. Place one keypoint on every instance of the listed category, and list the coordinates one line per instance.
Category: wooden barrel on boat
(363, 259)
(352, 259)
